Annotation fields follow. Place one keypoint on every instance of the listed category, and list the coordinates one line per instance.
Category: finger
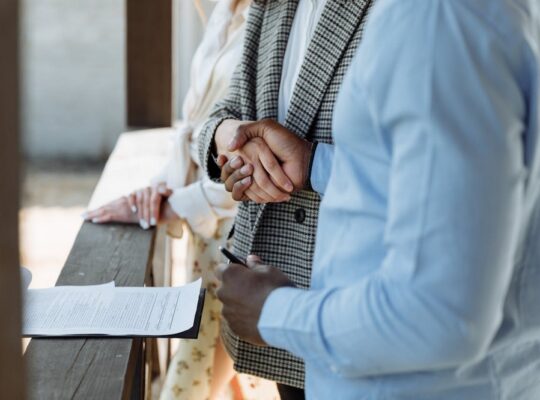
(273, 168)
(147, 195)
(221, 160)
(132, 201)
(220, 270)
(244, 133)
(106, 217)
(97, 215)
(155, 206)
(140, 209)
(253, 260)
(237, 176)
(89, 215)
(240, 187)
(164, 190)
(263, 181)
(254, 194)
(229, 168)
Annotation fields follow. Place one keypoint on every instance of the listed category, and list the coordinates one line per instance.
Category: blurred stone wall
(73, 74)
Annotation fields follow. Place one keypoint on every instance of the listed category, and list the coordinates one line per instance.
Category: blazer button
(300, 215)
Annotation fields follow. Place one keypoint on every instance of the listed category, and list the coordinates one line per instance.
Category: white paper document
(109, 310)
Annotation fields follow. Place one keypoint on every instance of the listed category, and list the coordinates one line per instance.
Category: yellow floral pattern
(190, 373)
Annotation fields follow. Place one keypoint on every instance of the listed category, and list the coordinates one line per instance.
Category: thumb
(253, 260)
(164, 191)
(244, 133)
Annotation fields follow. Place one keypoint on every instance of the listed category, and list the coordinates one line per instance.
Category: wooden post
(11, 364)
(149, 63)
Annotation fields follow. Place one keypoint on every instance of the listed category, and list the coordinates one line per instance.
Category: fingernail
(153, 221)
(245, 169)
(133, 209)
(84, 215)
(232, 144)
(144, 224)
(246, 181)
(95, 220)
(289, 187)
(236, 162)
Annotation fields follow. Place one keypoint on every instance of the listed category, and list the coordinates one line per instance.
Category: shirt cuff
(289, 320)
(322, 166)
(191, 204)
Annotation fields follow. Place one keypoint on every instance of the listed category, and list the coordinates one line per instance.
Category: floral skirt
(189, 376)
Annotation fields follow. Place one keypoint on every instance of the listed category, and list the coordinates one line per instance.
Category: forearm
(227, 109)
(203, 204)
(207, 145)
(374, 327)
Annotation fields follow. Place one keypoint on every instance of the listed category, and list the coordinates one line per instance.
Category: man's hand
(243, 292)
(292, 153)
(270, 183)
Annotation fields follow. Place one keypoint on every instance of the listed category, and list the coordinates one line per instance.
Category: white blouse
(196, 199)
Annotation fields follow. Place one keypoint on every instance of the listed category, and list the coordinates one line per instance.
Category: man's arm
(308, 165)
(451, 112)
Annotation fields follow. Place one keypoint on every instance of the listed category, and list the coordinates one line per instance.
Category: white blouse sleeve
(202, 205)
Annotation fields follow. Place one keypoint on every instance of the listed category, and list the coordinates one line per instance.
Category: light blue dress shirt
(426, 281)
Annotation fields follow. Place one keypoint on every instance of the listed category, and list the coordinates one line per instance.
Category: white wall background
(73, 74)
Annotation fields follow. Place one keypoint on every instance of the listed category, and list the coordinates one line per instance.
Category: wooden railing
(107, 368)
(116, 368)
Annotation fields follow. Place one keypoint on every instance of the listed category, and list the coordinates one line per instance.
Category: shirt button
(300, 215)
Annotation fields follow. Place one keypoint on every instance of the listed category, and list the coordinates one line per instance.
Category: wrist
(224, 134)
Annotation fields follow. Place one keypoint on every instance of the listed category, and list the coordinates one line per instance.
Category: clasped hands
(261, 161)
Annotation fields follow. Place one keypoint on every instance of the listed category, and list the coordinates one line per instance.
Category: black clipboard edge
(192, 333)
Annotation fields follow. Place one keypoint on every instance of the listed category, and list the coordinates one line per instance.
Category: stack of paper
(109, 310)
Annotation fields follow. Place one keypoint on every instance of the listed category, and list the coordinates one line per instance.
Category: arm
(229, 109)
(202, 205)
(289, 157)
(451, 117)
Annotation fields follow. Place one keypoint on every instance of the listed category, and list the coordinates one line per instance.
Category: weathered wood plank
(149, 62)
(93, 368)
(104, 368)
(11, 364)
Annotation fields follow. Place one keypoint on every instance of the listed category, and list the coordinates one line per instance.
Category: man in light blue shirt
(426, 282)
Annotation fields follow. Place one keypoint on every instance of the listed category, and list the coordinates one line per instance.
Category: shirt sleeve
(202, 205)
(321, 167)
(445, 92)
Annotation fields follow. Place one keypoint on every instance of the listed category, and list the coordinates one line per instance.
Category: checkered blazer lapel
(330, 39)
(333, 33)
(269, 78)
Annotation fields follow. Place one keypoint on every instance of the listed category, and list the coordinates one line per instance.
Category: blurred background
(71, 126)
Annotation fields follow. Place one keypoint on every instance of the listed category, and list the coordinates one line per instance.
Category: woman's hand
(144, 206)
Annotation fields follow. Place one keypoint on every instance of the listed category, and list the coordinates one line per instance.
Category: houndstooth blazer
(283, 234)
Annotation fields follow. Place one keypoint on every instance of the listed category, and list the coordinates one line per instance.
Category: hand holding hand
(243, 292)
(291, 156)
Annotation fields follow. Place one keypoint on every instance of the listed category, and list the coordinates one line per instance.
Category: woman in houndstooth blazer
(283, 233)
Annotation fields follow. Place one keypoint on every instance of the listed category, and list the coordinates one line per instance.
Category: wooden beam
(11, 363)
(149, 63)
